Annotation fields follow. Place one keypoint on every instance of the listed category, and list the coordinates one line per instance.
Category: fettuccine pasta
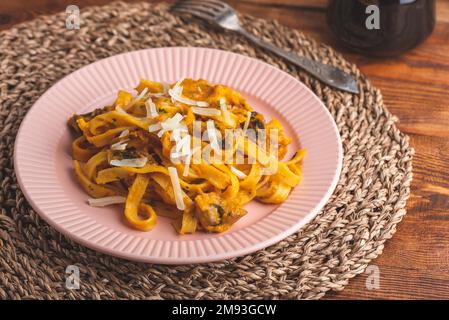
(190, 151)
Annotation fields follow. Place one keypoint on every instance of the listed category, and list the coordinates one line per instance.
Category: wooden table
(415, 86)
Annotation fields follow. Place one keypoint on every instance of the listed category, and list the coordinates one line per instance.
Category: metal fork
(221, 14)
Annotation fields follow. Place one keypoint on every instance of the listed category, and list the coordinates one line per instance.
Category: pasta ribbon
(169, 150)
(91, 188)
(133, 205)
(81, 151)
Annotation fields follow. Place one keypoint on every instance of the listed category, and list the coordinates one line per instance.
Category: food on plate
(192, 151)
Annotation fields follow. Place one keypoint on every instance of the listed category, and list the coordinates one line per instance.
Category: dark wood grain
(415, 86)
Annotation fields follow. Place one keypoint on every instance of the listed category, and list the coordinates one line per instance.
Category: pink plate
(45, 171)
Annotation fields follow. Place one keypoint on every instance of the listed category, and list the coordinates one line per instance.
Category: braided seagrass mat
(337, 245)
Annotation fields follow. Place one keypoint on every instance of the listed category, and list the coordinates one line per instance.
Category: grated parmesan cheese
(212, 135)
(154, 127)
(133, 101)
(120, 146)
(176, 188)
(120, 110)
(161, 133)
(225, 111)
(176, 135)
(206, 112)
(182, 147)
(203, 104)
(185, 173)
(134, 163)
(124, 133)
(160, 94)
(106, 201)
(176, 94)
(151, 108)
(170, 124)
(238, 173)
(173, 122)
(142, 94)
(248, 118)
(166, 87)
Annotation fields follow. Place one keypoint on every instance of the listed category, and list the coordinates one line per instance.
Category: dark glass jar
(381, 27)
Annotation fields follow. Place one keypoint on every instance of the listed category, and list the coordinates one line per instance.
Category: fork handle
(326, 73)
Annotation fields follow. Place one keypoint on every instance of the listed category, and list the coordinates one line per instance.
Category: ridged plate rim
(247, 240)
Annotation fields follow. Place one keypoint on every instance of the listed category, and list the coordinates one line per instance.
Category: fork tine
(206, 11)
(197, 4)
(213, 8)
(216, 5)
(191, 11)
(200, 10)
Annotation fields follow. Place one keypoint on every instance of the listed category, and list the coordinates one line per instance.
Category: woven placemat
(337, 245)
